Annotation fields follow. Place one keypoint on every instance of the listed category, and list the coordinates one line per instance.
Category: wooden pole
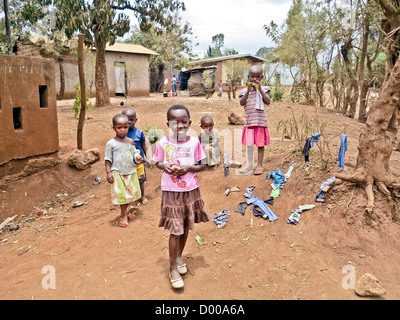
(82, 113)
(8, 31)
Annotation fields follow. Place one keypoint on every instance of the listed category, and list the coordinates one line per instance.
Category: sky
(241, 22)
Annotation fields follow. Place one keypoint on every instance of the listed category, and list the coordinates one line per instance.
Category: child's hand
(139, 159)
(181, 171)
(110, 177)
(170, 168)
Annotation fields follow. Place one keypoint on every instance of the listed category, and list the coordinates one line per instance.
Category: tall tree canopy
(102, 22)
(173, 43)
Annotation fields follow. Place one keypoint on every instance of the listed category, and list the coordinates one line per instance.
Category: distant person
(140, 144)
(255, 131)
(220, 88)
(174, 84)
(179, 156)
(210, 141)
(120, 172)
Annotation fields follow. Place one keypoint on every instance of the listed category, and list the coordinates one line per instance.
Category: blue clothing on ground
(261, 204)
(138, 136)
(342, 150)
(278, 177)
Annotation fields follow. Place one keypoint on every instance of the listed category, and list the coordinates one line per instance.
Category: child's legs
(124, 212)
(176, 245)
(143, 198)
(260, 158)
(249, 157)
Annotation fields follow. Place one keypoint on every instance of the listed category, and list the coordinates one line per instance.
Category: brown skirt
(182, 209)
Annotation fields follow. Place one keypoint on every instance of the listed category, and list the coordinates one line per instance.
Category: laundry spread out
(320, 197)
(221, 218)
(261, 204)
(296, 213)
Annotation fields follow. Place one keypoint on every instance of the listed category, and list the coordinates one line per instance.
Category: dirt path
(251, 258)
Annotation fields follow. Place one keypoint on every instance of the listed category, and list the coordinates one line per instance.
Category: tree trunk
(379, 135)
(101, 83)
(62, 80)
(377, 141)
(363, 84)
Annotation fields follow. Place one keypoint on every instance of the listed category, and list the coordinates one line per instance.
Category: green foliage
(173, 43)
(300, 129)
(78, 100)
(277, 93)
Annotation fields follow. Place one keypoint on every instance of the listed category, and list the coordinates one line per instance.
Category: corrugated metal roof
(129, 48)
(116, 47)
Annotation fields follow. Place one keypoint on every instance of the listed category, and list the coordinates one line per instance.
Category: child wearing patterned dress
(255, 131)
(120, 158)
(179, 156)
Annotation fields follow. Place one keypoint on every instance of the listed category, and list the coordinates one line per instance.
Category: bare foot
(145, 200)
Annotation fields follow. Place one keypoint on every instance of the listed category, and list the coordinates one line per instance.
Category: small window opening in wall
(43, 96)
(0, 103)
(17, 118)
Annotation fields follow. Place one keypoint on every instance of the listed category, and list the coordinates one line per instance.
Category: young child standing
(179, 156)
(255, 131)
(140, 144)
(209, 139)
(120, 155)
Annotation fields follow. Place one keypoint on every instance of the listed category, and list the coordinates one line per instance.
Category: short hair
(206, 118)
(256, 68)
(177, 107)
(119, 116)
(127, 111)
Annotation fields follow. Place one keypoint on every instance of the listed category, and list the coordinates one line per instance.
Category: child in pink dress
(179, 156)
(255, 131)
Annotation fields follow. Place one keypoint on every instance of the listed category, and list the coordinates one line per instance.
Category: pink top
(188, 152)
(254, 117)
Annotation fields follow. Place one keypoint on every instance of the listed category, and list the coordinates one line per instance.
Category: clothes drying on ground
(320, 197)
(279, 179)
(261, 204)
(221, 218)
(289, 172)
(327, 182)
(275, 193)
(249, 190)
(296, 213)
(241, 208)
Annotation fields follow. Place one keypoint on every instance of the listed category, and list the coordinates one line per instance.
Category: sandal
(258, 171)
(176, 283)
(131, 215)
(182, 269)
(123, 222)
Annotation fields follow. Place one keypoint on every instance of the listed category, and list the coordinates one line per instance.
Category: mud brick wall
(28, 50)
(28, 110)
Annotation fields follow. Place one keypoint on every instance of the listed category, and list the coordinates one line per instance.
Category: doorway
(120, 78)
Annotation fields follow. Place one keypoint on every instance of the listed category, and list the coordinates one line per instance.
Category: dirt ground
(250, 259)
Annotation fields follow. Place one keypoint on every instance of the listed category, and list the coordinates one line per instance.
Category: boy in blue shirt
(140, 143)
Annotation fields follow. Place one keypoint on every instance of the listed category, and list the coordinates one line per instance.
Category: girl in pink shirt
(255, 131)
(179, 155)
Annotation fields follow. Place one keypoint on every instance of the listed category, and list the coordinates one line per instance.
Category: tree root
(361, 177)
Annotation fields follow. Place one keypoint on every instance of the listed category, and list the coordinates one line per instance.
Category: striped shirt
(254, 117)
